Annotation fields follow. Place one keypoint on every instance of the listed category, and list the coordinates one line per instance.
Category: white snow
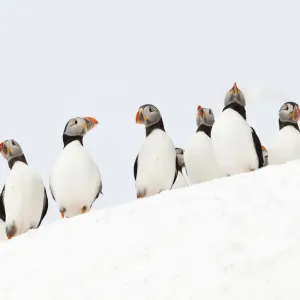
(232, 238)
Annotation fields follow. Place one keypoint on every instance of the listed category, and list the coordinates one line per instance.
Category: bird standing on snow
(23, 200)
(155, 165)
(75, 181)
(181, 179)
(236, 145)
(201, 164)
(265, 155)
(286, 144)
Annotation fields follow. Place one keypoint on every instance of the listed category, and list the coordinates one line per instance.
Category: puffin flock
(212, 152)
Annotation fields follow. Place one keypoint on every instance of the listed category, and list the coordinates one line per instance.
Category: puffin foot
(11, 230)
(83, 210)
(62, 212)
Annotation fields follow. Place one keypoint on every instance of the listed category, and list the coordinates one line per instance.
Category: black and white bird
(75, 180)
(236, 145)
(181, 180)
(23, 200)
(285, 146)
(265, 155)
(200, 161)
(155, 165)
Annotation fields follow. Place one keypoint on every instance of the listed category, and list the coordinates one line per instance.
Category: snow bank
(234, 238)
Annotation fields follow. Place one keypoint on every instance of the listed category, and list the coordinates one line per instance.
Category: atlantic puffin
(75, 180)
(155, 165)
(236, 146)
(181, 180)
(285, 145)
(200, 161)
(23, 200)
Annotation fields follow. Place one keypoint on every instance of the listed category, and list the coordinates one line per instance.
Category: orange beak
(92, 120)
(263, 148)
(298, 113)
(235, 88)
(1, 146)
(138, 117)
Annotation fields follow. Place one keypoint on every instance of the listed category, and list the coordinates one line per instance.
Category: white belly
(156, 164)
(180, 181)
(75, 179)
(23, 198)
(233, 144)
(200, 162)
(285, 146)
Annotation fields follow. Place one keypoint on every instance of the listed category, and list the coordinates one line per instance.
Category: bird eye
(210, 111)
(13, 143)
(75, 122)
(150, 109)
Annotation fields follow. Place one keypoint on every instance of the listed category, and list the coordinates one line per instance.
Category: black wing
(258, 149)
(99, 191)
(135, 167)
(97, 195)
(2, 209)
(176, 171)
(45, 207)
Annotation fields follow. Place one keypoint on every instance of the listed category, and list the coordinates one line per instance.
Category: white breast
(285, 146)
(200, 162)
(75, 179)
(156, 164)
(233, 144)
(24, 197)
(180, 182)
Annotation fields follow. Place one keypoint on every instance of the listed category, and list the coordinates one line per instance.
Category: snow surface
(232, 238)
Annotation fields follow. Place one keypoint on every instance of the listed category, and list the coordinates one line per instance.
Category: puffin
(155, 165)
(285, 145)
(23, 200)
(265, 155)
(200, 162)
(236, 146)
(75, 181)
(181, 180)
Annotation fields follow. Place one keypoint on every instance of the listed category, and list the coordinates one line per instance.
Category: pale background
(61, 59)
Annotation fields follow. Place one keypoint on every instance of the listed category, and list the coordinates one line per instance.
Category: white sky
(65, 58)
